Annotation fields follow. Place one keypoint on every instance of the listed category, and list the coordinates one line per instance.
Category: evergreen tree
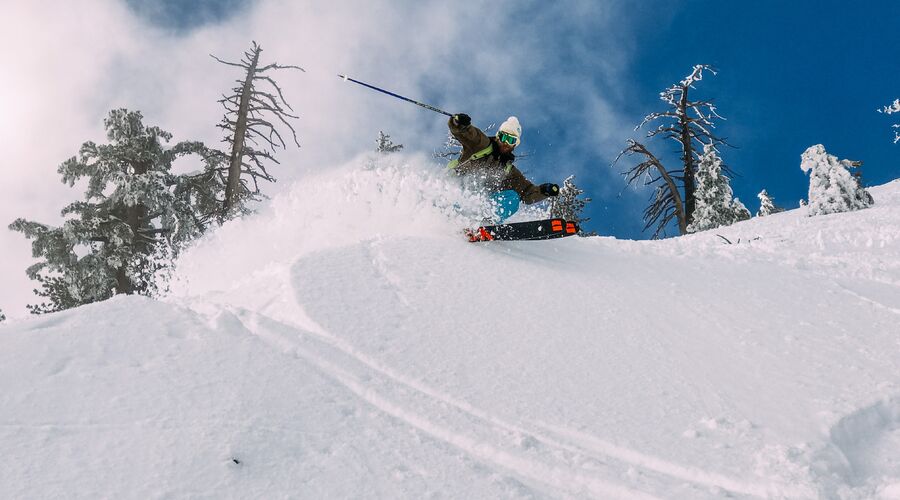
(832, 188)
(2, 316)
(384, 144)
(894, 107)
(715, 203)
(567, 205)
(767, 205)
(250, 133)
(135, 216)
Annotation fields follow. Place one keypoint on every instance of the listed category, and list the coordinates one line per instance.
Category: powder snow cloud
(75, 62)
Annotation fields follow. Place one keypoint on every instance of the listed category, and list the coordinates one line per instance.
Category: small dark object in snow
(236, 461)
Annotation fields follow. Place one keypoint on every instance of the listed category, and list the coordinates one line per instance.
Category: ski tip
(480, 234)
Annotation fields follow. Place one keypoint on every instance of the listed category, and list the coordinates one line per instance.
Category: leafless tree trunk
(687, 154)
(240, 132)
(247, 126)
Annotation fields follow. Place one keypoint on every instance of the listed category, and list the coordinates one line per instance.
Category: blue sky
(791, 74)
(181, 15)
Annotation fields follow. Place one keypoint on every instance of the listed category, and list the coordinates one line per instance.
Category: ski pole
(426, 106)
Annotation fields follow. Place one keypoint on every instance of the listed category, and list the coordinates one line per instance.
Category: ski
(532, 230)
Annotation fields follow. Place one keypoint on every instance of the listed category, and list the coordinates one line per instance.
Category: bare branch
(278, 89)
(279, 66)
(667, 203)
(229, 63)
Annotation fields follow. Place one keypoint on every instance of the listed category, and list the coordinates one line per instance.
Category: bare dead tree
(666, 203)
(690, 124)
(250, 130)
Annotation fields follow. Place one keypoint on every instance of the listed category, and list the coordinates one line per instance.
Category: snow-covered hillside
(347, 342)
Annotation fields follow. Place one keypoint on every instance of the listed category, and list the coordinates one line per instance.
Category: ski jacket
(482, 161)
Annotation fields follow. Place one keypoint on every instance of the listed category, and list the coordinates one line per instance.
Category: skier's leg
(505, 203)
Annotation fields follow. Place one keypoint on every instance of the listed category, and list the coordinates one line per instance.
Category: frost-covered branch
(894, 107)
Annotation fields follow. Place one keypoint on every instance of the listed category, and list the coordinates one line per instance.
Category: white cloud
(76, 61)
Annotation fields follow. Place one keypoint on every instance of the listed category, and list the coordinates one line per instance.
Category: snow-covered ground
(347, 342)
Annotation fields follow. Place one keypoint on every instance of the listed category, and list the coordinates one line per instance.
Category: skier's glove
(549, 189)
(462, 119)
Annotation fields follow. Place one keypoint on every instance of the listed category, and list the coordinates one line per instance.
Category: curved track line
(552, 475)
(595, 446)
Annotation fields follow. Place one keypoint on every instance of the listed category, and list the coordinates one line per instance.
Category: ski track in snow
(541, 457)
(495, 442)
(854, 458)
(879, 303)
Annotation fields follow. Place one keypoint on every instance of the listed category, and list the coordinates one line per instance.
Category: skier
(487, 163)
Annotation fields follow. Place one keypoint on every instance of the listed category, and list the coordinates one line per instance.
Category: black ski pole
(426, 106)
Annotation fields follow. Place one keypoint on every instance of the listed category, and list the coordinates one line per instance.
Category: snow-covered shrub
(385, 145)
(715, 205)
(832, 188)
(767, 205)
(567, 205)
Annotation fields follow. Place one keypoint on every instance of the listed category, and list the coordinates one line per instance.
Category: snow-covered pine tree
(767, 205)
(567, 205)
(894, 107)
(135, 215)
(832, 188)
(716, 205)
(250, 133)
(385, 145)
(2, 316)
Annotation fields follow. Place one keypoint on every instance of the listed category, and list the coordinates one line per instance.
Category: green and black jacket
(481, 157)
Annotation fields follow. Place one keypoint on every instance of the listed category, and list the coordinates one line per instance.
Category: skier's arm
(527, 190)
(470, 136)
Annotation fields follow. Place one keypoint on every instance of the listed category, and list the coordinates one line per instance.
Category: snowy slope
(347, 342)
